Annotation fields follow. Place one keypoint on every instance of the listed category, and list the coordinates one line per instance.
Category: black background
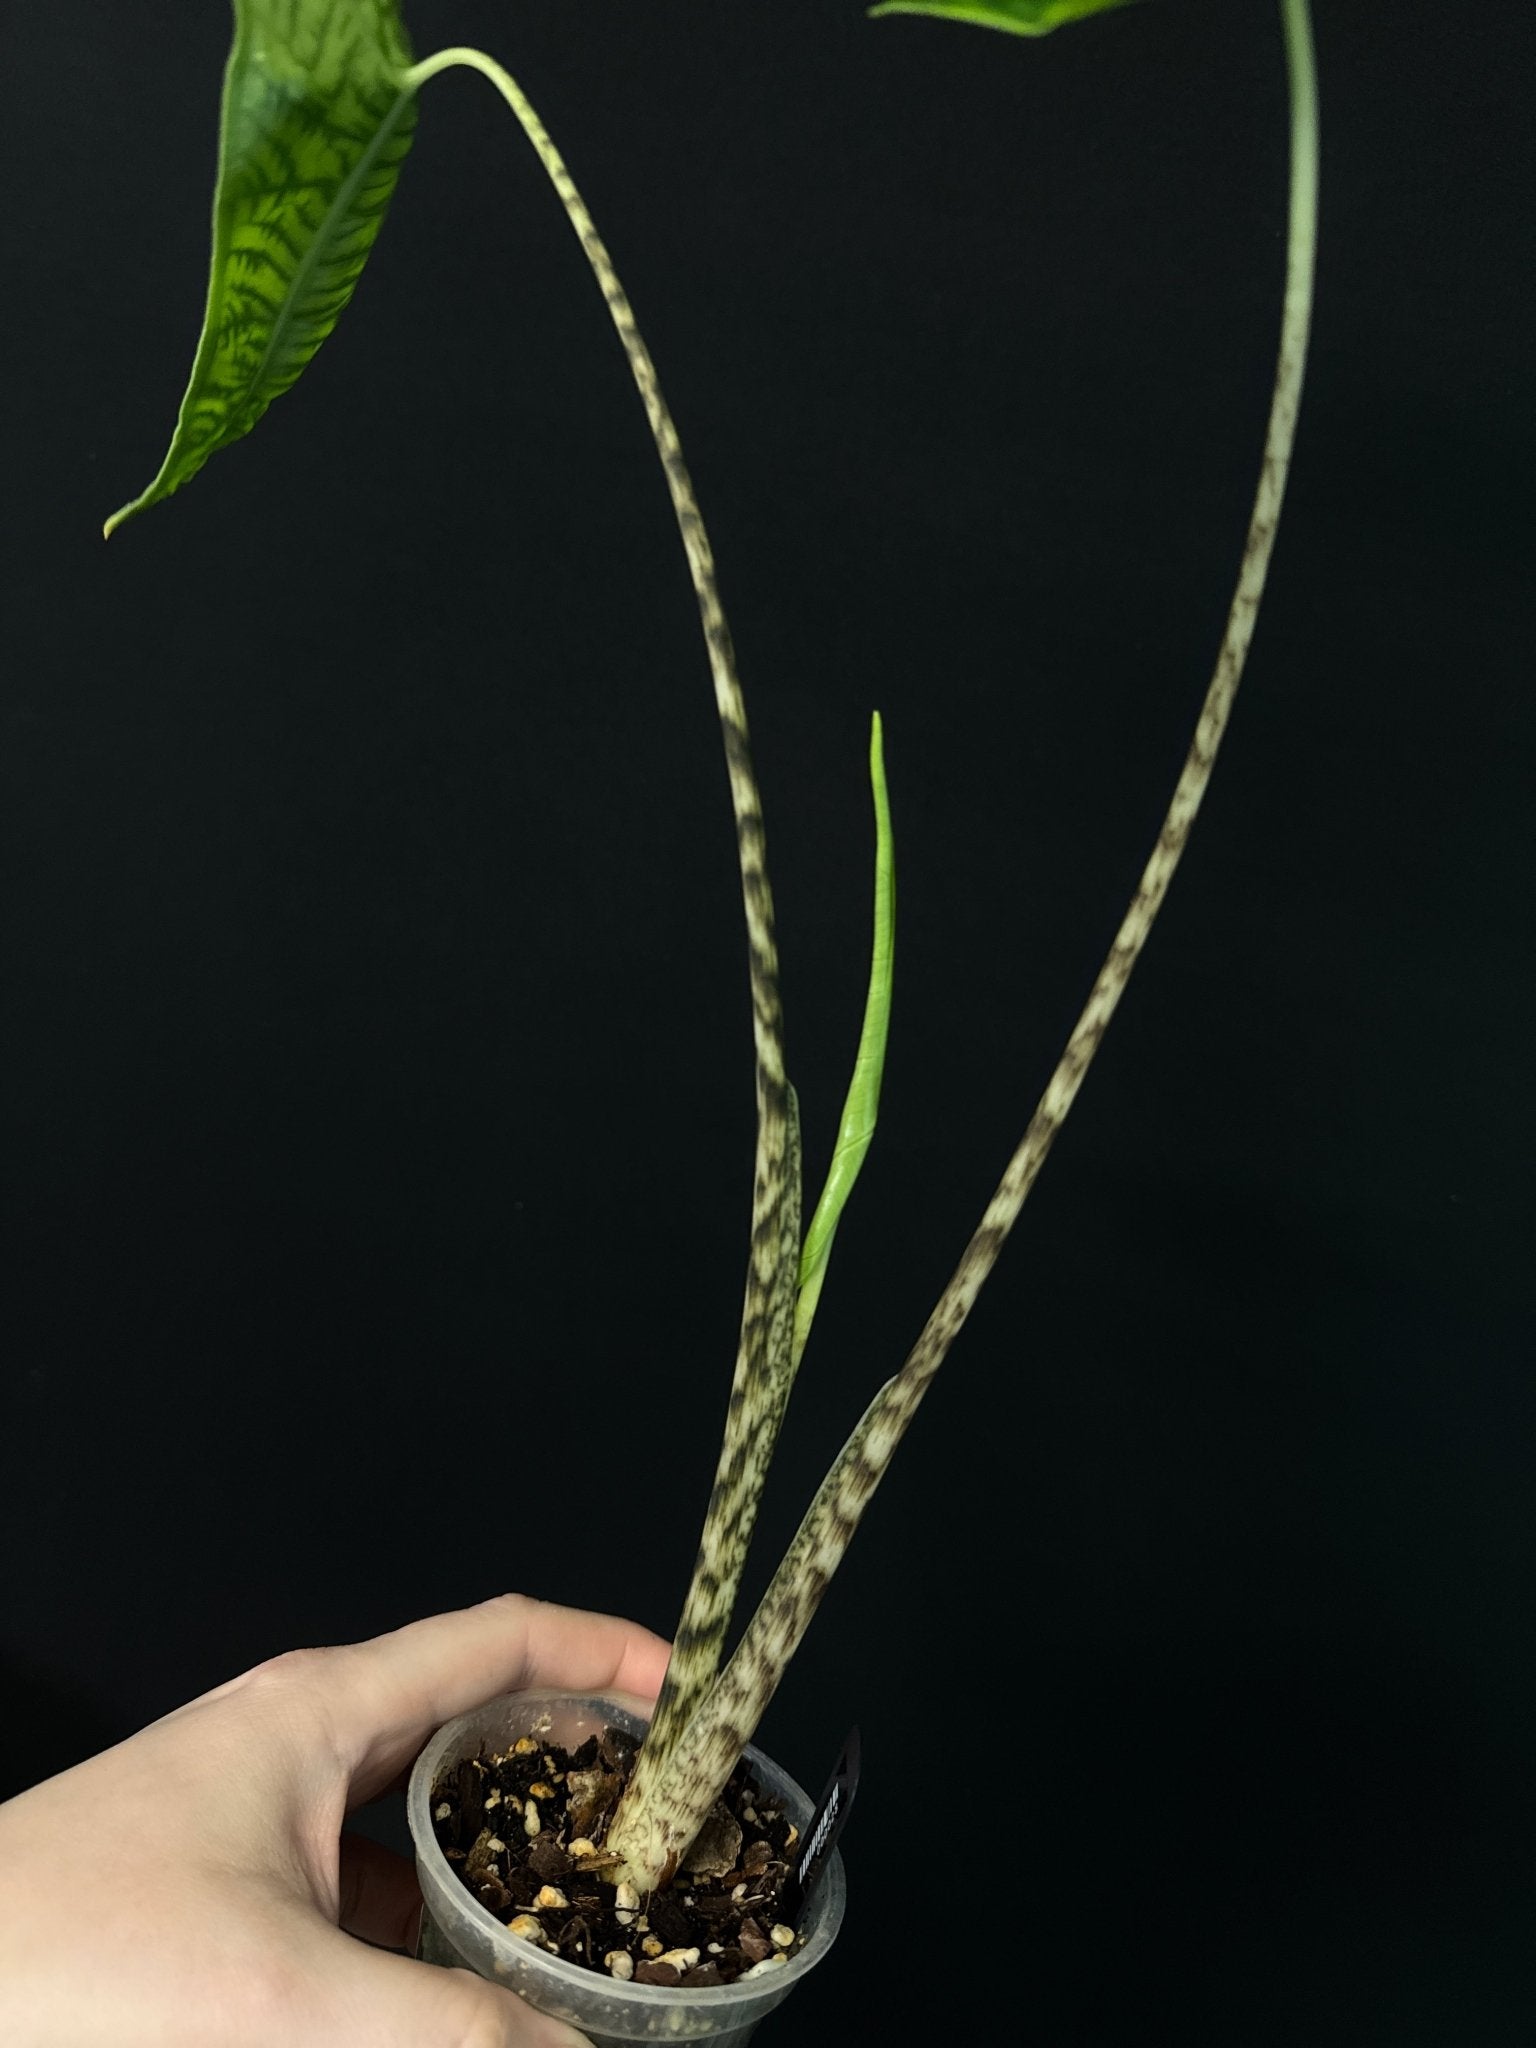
(376, 1058)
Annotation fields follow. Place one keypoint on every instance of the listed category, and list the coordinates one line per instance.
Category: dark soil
(525, 1831)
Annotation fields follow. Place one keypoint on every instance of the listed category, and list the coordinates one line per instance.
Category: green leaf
(862, 1105)
(1015, 17)
(317, 117)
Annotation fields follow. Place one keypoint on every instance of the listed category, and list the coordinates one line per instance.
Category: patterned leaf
(317, 117)
(1016, 17)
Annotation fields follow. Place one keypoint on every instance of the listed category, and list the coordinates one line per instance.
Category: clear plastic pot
(458, 1931)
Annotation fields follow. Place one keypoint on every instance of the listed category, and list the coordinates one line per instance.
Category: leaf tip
(1014, 17)
(123, 513)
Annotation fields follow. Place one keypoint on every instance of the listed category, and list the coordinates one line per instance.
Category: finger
(360, 1997)
(387, 1696)
(379, 1899)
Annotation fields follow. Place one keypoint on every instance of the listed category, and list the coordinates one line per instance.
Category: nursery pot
(457, 1930)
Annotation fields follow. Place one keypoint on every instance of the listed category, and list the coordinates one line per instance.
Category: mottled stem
(726, 1723)
(763, 1374)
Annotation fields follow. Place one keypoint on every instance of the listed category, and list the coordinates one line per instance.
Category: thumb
(377, 2000)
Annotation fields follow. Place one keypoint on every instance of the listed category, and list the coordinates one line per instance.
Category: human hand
(192, 1888)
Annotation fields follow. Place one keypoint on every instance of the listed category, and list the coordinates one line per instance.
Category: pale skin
(232, 1894)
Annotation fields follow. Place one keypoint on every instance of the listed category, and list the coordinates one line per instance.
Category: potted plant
(319, 109)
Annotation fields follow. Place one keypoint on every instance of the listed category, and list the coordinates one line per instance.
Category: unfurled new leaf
(316, 120)
(1016, 17)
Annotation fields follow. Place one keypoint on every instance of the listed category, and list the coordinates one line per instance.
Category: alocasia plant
(319, 110)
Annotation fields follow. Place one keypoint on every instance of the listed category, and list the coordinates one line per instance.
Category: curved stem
(763, 1366)
(1215, 713)
(726, 1722)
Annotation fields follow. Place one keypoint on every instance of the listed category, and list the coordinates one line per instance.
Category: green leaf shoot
(862, 1105)
(317, 116)
(1014, 17)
